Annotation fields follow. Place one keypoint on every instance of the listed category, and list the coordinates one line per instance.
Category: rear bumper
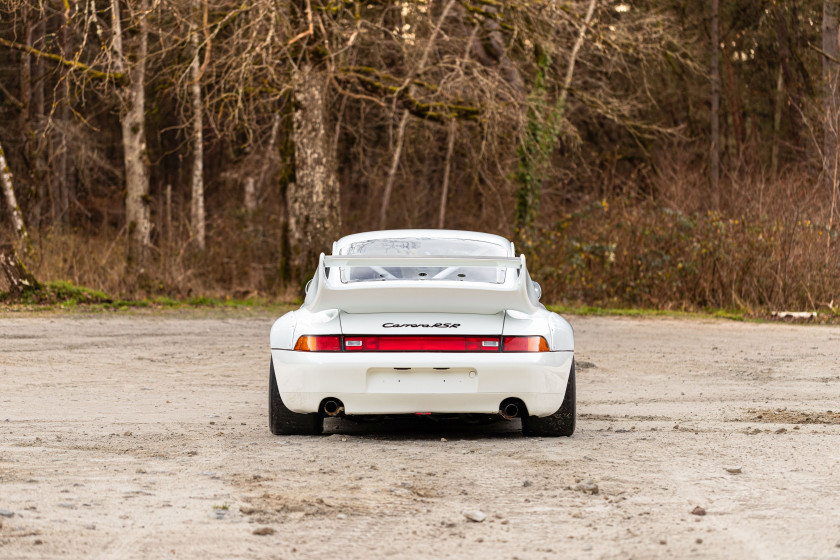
(404, 383)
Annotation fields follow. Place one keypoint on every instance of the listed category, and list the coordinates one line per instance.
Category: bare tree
(714, 115)
(447, 167)
(11, 200)
(197, 178)
(831, 103)
(133, 122)
(314, 210)
(20, 279)
(544, 128)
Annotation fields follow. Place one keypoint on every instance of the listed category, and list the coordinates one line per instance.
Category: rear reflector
(525, 344)
(421, 344)
(318, 344)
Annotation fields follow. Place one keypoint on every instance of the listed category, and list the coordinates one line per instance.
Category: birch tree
(20, 279)
(197, 177)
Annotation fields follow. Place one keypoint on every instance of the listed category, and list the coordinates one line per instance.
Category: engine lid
(421, 323)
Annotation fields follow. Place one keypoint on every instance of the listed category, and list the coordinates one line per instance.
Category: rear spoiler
(418, 296)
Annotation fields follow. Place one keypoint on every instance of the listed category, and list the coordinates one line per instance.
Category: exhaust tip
(333, 407)
(511, 408)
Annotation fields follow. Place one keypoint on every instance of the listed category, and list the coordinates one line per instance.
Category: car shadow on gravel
(425, 428)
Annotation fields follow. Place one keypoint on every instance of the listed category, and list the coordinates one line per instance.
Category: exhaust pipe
(333, 407)
(510, 409)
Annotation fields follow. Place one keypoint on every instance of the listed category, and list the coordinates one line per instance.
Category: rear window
(419, 247)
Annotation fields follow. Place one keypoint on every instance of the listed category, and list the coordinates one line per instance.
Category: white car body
(376, 289)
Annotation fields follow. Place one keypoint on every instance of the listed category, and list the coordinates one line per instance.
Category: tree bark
(314, 209)
(26, 69)
(197, 200)
(732, 99)
(714, 116)
(20, 279)
(831, 102)
(134, 137)
(7, 185)
(778, 101)
(62, 164)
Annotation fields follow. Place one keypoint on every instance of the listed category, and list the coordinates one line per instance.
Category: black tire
(283, 421)
(562, 422)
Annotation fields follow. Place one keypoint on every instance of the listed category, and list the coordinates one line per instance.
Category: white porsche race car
(427, 322)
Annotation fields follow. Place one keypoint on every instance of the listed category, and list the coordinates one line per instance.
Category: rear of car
(421, 322)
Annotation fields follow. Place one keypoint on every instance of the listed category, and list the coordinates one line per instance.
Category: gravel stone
(476, 516)
(587, 487)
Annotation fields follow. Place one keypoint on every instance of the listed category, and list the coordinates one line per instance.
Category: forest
(663, 154)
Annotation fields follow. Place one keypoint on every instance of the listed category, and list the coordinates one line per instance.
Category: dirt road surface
(145, 437)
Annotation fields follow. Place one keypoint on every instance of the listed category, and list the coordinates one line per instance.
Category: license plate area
(422, 380)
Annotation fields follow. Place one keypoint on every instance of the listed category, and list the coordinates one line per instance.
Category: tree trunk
(36, 117)
(796, 78)
(447, 165)
(26, 68)
(38, 77)
(392, 172)
(197, 200)
(134, 138)
(831, 50)
(250, 196)
(732, 99)
(11, 200)
(714, 116)
(314, 199)
(20, 279)
(778, 101)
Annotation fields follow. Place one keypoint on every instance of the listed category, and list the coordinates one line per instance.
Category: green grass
(830, 316)
(65, 296)
(586, 310)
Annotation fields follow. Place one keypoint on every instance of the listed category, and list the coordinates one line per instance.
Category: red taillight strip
(421, 344)
(432, 343)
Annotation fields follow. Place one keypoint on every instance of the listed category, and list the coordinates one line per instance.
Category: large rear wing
(416, 296)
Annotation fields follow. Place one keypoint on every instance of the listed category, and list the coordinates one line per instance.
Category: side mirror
(538, 289)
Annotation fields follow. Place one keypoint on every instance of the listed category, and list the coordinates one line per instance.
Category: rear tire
(562, 422)
(283, 421)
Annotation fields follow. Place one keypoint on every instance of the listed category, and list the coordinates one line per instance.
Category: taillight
(421, 343)
(525, 344)
(333, 343)
(318, 344)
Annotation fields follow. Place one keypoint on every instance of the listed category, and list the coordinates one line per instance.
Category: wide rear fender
(286, 330)
(556, 330)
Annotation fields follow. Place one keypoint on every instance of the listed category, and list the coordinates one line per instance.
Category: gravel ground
(146, 437)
